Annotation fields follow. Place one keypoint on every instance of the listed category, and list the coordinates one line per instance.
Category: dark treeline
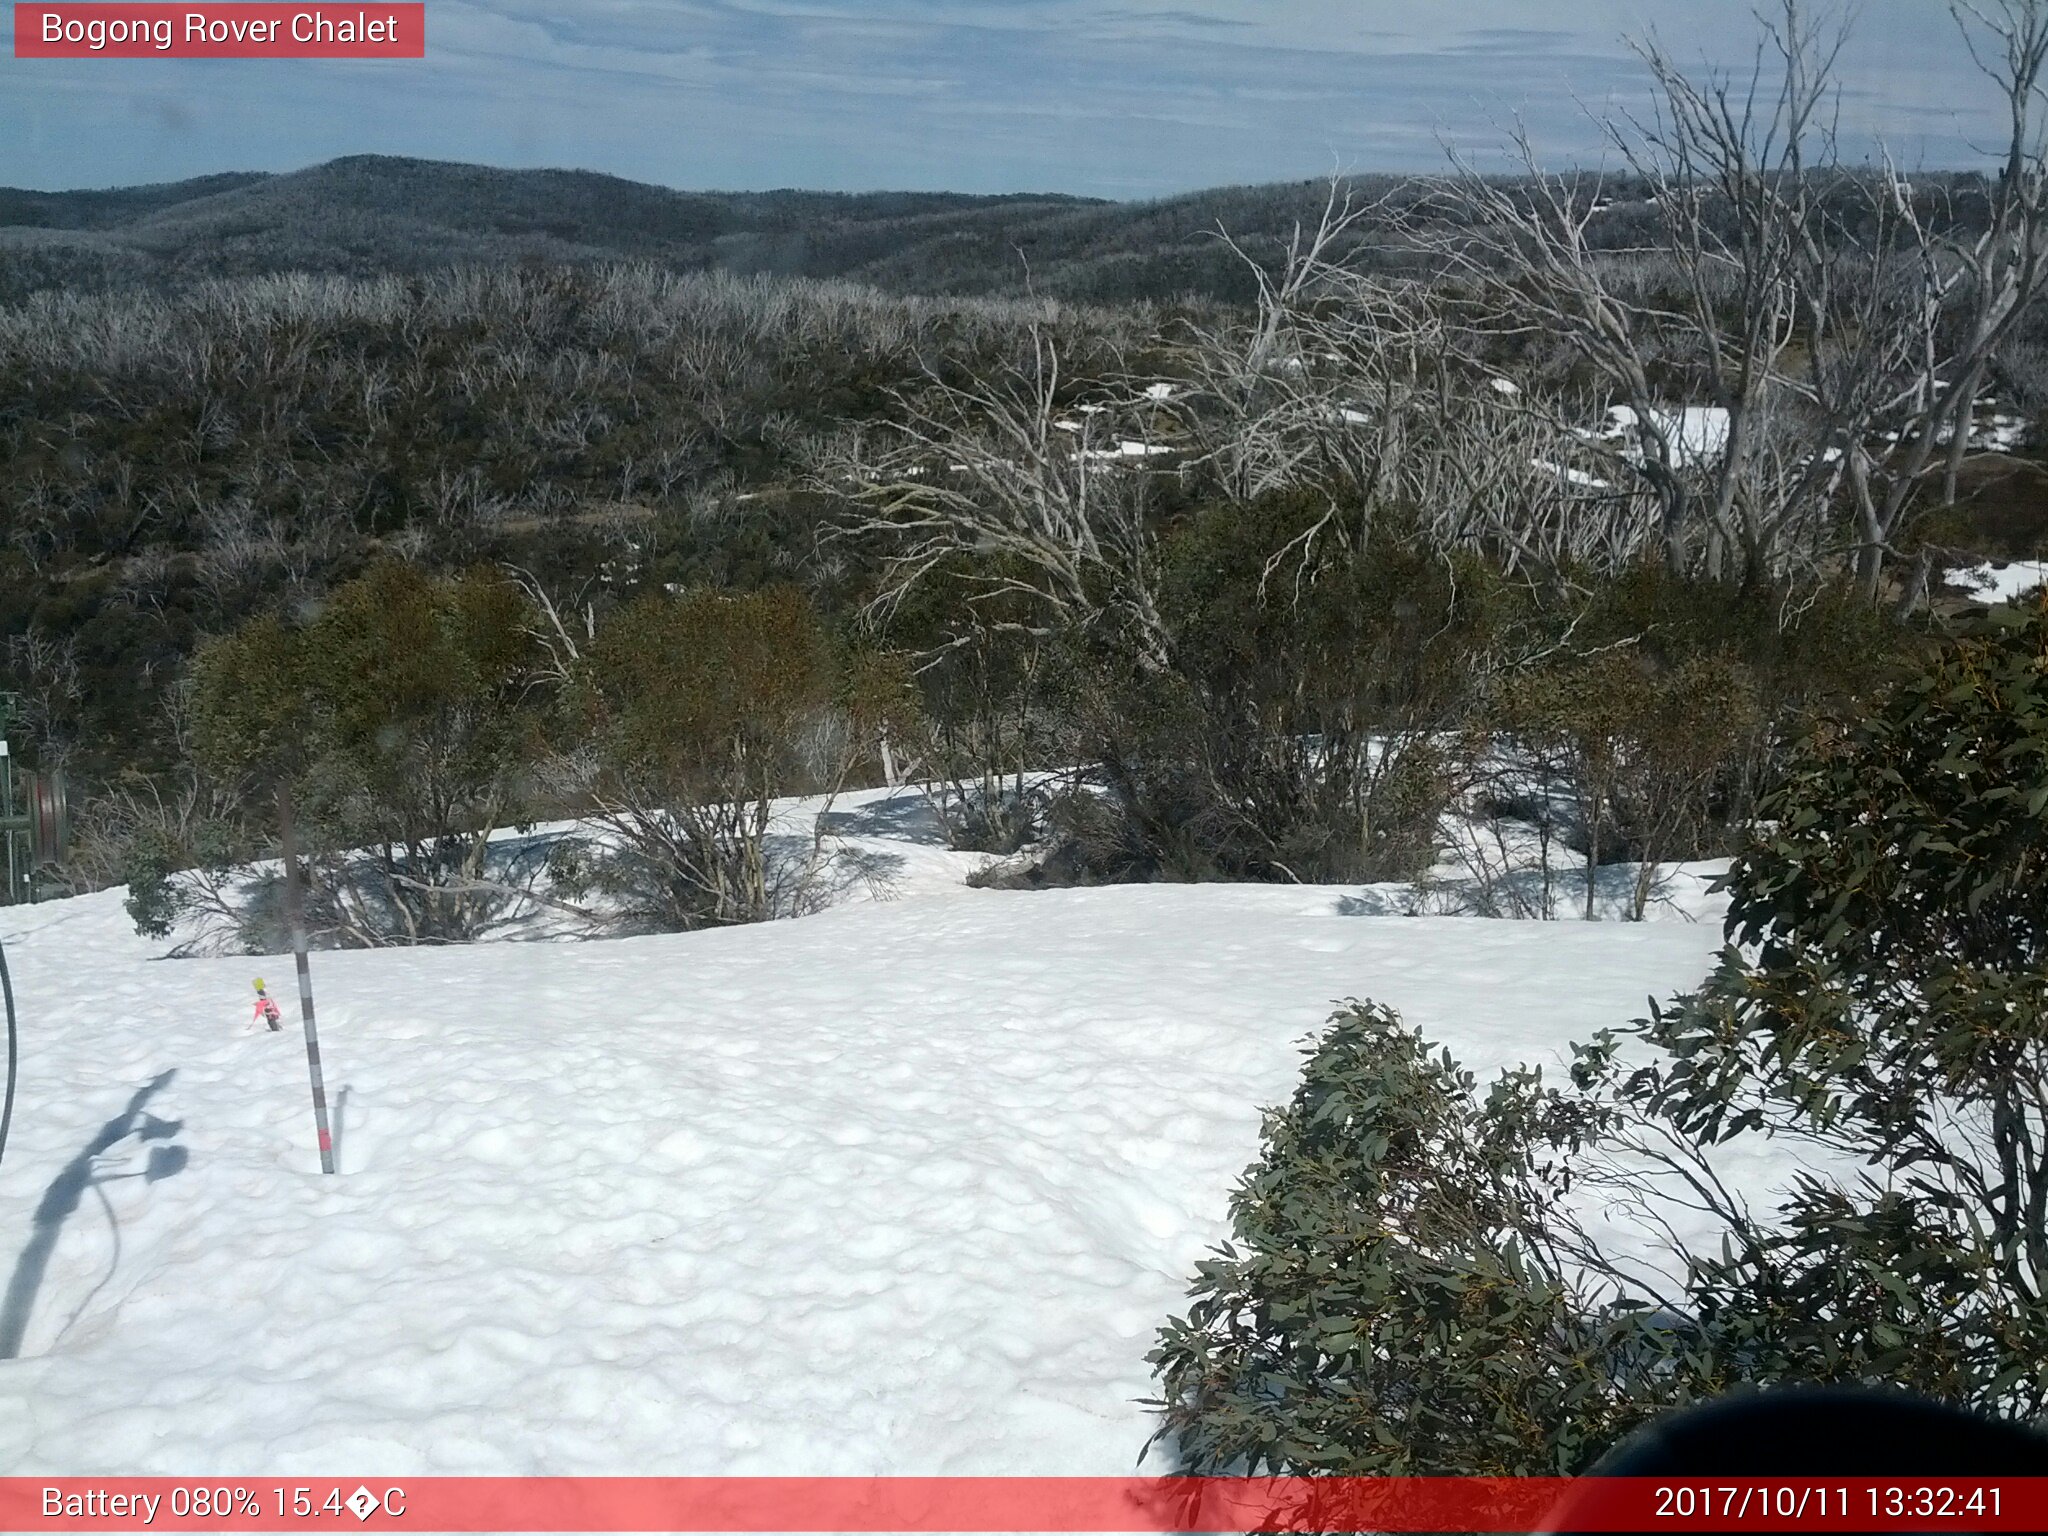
(376, 215)
(251, 464)
(185, 464)
(175, 463)
(372, 215)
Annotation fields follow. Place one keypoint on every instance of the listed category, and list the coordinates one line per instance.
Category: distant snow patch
(1697, 434)
(1572, 476)
(2000, 583)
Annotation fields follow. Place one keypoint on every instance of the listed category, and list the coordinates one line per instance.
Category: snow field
(904, 1187)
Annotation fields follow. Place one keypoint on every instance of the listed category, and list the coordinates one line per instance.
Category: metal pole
(295, 919)
(8, 831)
(7, 813)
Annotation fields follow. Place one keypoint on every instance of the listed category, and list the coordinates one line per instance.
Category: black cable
(13, 1051)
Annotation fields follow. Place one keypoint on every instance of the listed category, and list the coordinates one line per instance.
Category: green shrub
(1300, 731)
(153, 902)
(1393, 1301)
(1644, 747)
(686, 685)
(1889, 1004)
(978, 726)
(696, 711)
(1801, 653)
(397, 716)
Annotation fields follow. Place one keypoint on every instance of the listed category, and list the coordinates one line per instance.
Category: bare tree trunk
(1592, 850)
(1916, 588)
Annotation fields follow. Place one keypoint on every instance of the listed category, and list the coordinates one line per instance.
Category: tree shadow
(808, 881)
(905, 815)
(1373, 901)
(62, 1198)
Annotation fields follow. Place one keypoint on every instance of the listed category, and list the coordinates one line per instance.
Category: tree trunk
(1869, 571)
(1916, 588)
(1592, 849)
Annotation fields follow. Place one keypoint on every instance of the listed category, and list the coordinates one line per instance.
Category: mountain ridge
(361, 215)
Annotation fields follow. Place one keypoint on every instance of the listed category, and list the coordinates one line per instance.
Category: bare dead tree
(49, 687)
(236, 552)
(1934, 324)
(1840, 332)
(559, 642)
(1000, 484)
(1373, 391)
(1727, 162)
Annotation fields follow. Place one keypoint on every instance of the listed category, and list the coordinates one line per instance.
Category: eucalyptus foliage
(1885, 998)
(1407, 1289)
(1395, 1300)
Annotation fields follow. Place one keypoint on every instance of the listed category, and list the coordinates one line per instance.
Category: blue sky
(1112, 98)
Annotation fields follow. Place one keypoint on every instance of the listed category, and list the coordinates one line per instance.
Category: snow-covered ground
(2001, 583)
(902, 1187)
(1696, 434)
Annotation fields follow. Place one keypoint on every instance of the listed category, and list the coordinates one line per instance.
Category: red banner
(1057, 1504)
(213, 30)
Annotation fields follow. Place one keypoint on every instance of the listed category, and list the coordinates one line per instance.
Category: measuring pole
(7, 814)
(295, 919)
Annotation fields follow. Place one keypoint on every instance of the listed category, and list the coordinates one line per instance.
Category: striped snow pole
(295, 918)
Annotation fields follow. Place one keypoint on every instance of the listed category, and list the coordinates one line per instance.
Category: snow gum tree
(694, 711)
(396, 713)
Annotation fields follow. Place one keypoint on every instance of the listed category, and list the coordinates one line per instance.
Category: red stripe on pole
(363, 29)
(1057, 1504)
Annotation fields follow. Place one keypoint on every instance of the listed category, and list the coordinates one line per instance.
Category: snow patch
(1997, 582)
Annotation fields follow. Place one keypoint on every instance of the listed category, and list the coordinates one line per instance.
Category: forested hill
(369, 214)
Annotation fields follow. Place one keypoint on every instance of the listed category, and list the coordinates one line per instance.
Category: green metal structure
(35, 818)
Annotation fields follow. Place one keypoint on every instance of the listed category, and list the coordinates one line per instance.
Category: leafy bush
(695, 712)
(1318, 689)
(396, 716)
(1395, 1300)
(1301, 726)
(176, 853)
(1643, 748)
(976, 725)
(1891, 1007)
(1800, 653)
